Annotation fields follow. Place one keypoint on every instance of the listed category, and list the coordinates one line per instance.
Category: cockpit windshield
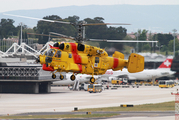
(45, 52)
(90, 86)
(50, 52)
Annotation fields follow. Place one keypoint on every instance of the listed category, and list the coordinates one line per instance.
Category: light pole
(174, 34)
(21, 34)
(137, 40)
(159, 46)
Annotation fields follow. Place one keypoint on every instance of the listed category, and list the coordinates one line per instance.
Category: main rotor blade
(62, 35)
(97, 40)
(105, 40)
(43, 35)
(130, 41)
(38, 19)
(105, 24)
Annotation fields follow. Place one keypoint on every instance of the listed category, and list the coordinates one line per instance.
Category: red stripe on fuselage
(76, 57)
(49, 68)
(55, 48)
(80, 68)
(73, 48)
(115, 64)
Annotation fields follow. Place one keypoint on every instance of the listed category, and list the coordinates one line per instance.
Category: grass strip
(166, 106)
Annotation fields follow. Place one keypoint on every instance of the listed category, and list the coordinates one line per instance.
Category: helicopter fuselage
(85, 59)
(62, 61)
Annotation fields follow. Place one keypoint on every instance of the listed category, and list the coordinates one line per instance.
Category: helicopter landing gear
(61, 77)
(53, 76)
(92, 80)
(72, 77)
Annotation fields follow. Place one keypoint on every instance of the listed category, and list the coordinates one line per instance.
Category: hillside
(158, 18)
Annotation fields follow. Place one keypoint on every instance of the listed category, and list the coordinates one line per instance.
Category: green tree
(96, 31)
(73, 19)
(46, 27)
(142, 35)
(163, 39)
(92, 31)
(164, 48)
(104, 32)
(133, 45)
(170, 45)
(6, 28)
(146, 47)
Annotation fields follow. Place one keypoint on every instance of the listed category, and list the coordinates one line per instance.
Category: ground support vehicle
(94, 88)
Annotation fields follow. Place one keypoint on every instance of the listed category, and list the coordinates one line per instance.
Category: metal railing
(27, 47)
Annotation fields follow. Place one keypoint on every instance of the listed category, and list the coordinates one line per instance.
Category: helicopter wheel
(53, 76)
(92, 80)
(61, 77)
(72, 77)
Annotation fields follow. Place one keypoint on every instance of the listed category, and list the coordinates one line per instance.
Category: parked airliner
(146, 74)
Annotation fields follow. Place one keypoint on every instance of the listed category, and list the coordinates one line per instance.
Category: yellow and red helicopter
(86, 59)
(80, 58)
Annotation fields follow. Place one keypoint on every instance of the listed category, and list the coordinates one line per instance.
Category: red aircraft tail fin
(166, 64)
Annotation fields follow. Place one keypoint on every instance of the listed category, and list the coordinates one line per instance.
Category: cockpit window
(50, 52)
(96, 59)
(70, 55)
(45, 53)
(58, 54)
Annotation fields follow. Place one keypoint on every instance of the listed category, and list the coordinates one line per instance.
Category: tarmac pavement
(61, 99)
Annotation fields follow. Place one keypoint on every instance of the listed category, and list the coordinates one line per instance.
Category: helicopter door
(57, 59)
(104, 63)
(58, 54)
(97, 62)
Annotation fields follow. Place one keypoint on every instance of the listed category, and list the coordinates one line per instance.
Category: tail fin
(135, 63)
(166, 64)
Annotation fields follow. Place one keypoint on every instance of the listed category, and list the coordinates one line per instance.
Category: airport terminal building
(175, 66)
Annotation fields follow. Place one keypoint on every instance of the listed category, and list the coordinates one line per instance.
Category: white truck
(84, 87)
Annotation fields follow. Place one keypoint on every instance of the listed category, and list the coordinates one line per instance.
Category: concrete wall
(25, 87)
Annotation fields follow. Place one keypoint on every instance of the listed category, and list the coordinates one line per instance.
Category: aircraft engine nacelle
(67, 47)
(90, 50)
(81, 48)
